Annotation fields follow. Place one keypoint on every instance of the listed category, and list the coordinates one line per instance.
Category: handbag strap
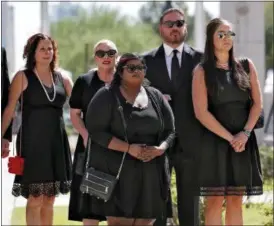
(120, 109)
(88, 152)
(20, 131)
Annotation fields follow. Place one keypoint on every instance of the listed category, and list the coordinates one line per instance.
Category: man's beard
(178, 39)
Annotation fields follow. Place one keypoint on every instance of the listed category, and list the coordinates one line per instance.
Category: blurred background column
(45, 21)
(7, 35)
(199, 26)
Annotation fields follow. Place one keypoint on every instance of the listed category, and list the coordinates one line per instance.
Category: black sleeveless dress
(83, 90)
(222, 171)
(45, 146)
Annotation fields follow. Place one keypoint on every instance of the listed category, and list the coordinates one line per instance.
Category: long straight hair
(209, 61)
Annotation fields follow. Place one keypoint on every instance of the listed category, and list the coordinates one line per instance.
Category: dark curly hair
(31, 46)
(209, 60)
(120, 67)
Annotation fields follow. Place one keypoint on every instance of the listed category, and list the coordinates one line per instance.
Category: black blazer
(5, 84)
(187, 127)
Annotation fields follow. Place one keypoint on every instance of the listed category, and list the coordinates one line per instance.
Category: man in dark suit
(170, 70)
(5, 83)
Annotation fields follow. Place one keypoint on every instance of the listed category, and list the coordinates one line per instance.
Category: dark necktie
(175, 68)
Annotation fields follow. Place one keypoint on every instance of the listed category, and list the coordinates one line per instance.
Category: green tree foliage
(269, 7)
(72, 35)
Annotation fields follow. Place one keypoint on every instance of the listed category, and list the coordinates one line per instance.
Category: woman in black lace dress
(85, 87)
(229, 158)
(44, 143)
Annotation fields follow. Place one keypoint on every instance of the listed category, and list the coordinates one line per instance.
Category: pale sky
(27, 19)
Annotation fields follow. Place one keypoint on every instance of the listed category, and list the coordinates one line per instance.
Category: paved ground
(9, 202)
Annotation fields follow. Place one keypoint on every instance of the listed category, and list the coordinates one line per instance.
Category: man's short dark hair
(171, 10)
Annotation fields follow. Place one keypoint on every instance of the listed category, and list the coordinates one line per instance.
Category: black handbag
(97, 183)
(260, 122)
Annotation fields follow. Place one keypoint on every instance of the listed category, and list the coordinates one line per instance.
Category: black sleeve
(75, 100)
(5, 91)
(168, 117)
(98, 117)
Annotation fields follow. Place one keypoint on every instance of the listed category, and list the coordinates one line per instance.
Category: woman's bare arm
(68, 84)
(78, 123)
(200, 103)
(18, 85)
(256, 96)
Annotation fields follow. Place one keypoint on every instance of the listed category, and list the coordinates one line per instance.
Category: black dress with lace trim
(221, 170)
(45, 146)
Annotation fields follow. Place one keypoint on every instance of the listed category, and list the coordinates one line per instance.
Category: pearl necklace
(43, 86)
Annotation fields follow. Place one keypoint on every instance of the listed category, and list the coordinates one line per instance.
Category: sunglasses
(131, 68)
(102, 53)
(229, 34)
(170, 24)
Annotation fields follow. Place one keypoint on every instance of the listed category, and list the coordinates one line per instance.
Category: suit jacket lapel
(185, 66)
(161, 63)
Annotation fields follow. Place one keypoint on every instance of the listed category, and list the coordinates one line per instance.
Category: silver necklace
(54, 90)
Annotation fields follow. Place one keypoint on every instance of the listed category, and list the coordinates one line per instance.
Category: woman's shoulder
(155, 92)
(90, 75)
(63, 77)
(23, 73)
(105, 93)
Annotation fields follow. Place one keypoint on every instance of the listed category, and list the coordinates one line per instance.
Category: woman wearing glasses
(105, 55)
(229, 158)
(141, 191)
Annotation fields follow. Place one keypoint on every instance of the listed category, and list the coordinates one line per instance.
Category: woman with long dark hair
(42, 139)
(223, 91)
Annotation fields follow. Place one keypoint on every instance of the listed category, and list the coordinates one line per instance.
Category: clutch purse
(16, 163)
(260, 122)
(97, 183)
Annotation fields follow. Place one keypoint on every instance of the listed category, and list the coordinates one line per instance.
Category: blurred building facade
(63, 10)
(7, 34)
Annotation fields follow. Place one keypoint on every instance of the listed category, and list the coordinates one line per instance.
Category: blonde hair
(107, 42)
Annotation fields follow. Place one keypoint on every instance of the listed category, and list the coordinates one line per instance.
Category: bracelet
(247, 133)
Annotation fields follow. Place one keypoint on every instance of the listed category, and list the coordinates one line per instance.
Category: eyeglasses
(170, 24)
(229, 34)
(131, 68)
(102, 53)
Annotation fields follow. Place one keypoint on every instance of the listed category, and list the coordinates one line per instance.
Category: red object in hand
(16, 165)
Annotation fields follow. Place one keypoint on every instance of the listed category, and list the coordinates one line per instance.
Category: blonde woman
(105, 55)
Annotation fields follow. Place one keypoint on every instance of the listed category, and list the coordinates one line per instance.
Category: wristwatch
(247, 132)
